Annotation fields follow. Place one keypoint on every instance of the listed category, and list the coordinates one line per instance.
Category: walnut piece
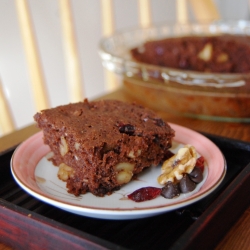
(182, 162)
(132, 154)
(206, 53)
(223, 57)
(125, 172)
(64, 172)
(124, 177)
(63, 146)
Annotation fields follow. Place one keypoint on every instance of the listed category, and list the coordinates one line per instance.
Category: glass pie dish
(204, 95)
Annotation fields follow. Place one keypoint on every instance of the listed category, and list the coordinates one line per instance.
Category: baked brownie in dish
(217, 54)
(101, 145)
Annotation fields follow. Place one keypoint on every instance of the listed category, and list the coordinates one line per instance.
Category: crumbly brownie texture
(100, 146)
(218, 54)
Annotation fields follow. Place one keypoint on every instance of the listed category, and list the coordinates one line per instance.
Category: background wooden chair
(185, 10)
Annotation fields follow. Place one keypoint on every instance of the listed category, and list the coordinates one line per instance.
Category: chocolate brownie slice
(219, 54)
(100, 145)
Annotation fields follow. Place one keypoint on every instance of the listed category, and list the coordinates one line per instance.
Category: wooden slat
(40, 95)
(145, 15)
(204, 10)
(108, 27)
(6, 120)
(181, 11)
(72, 59)
(4, 247)
(108, 24)
(17, 136)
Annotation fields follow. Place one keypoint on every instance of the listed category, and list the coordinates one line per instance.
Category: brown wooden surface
(4, 247)
(238, 236)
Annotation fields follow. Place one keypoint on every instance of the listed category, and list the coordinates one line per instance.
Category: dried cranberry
(156, 139)
(126, 128)
(144, 194)
(200, 163)
(159, 122)
(117, 149)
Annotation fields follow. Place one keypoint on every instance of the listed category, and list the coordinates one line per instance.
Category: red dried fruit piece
(200, 163)
(159, 122)
(144, 194)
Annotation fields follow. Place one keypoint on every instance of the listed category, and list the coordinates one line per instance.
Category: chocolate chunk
(170, 191)
(196, 175)
(186, 185)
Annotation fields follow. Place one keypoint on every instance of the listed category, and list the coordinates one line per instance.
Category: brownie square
(101, 145)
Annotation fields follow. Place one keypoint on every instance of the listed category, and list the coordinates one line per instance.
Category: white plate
(37, 176)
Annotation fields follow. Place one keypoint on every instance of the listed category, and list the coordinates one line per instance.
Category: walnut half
(182, 162)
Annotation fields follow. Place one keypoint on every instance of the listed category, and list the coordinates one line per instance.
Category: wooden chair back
(204, 9)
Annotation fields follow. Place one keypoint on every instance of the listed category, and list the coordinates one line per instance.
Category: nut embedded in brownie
(101, 145)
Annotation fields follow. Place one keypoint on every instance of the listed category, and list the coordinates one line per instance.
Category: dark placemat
(25, 220)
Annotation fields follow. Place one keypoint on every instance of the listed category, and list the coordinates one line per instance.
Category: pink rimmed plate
(37, 176)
